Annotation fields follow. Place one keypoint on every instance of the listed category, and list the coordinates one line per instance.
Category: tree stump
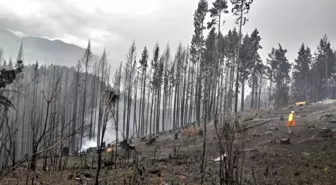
(200, 132)
(176, 136)
(256, 135)
(151, 141)
(273, 129)
(325, 132)
(65, 151)
(285, 141)
(311, 127)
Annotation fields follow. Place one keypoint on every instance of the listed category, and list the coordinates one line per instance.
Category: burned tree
(109, 99)
(241, 7)
(39, 134)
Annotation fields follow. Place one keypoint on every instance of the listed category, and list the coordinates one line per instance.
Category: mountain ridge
(41, 49)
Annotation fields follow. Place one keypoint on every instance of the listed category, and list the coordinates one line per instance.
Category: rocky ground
(310, 158)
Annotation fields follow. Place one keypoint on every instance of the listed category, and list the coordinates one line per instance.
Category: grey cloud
(166, 25)
(292, 22)
(287, 22)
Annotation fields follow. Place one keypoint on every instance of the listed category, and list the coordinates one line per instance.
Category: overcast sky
(115, 23)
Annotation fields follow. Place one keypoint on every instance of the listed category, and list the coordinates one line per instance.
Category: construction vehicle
(302, 103)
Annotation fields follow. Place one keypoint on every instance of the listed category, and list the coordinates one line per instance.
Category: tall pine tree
(323, 70)
(280, 68)
(301, 73)
(196, 51)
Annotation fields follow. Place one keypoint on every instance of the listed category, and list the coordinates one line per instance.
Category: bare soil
(309, 160)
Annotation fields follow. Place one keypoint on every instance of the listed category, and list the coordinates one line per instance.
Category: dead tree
(109, 99)
(38, 137)
(232, 156)
(7, 132)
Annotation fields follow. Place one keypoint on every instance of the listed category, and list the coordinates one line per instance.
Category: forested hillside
(50, 107)
(44, 50)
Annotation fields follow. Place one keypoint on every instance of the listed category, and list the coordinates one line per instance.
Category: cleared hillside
(308, 159)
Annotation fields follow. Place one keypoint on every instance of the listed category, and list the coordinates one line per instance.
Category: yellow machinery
(109, 149)
(302, 103)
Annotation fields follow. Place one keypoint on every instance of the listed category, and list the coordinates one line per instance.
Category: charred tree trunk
(242, 95)
(252, 95)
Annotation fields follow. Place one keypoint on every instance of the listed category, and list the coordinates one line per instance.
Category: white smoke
(110, 134)
(109, 137)
(88, 144)
(326, 101)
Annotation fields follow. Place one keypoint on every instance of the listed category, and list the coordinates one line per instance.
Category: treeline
(51, 105)
(162, 91)
(314, 74)
(203, 81)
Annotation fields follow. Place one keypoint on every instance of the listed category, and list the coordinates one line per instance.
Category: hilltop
(41, 49)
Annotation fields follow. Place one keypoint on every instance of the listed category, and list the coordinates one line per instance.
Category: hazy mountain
(41, 49)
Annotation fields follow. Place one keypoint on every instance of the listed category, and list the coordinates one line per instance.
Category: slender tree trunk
(232, 79)
(197, 96)
(164, 106)
(170, 108)
(84, 106)
(154, 111)
(158, 109)
(101, 103)
(178, 95)
(199, 92)
(260, 86)
(192, 87)
(118, 82)
(100, 150)
(227, 72)
(175, 125)
(17, 118)
(135, 106)
(237, 59)
(318, 89)
(129, 103)
(91, 134)
(221, 92)
(306, 86)
(147, 117)
(270, 94)
(117, 130)
(242, 95)
(96, 103)
(140, 108)
(206, 106)
(252, 94)
(24, 138)
(183, 97)
(151, 127)
(186, 104)
(125, 101)
(63, 117)
(74, 118)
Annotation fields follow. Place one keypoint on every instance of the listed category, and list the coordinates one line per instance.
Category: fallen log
(287, 112)
(326, 116)
(257, 125)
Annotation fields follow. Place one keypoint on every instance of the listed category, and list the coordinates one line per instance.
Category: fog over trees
(45, 108)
